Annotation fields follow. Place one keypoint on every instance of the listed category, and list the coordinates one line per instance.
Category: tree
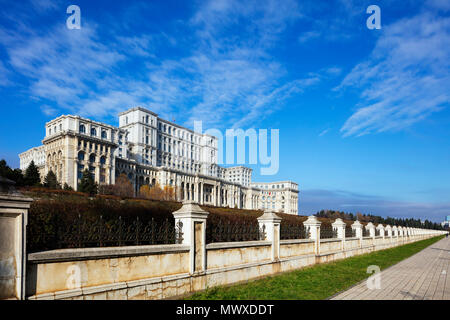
(123, 187)
(14, 175)
(152, 192)
(50, 181)
(87, 183)
(169, 193)
(67, 187)
(32, 176)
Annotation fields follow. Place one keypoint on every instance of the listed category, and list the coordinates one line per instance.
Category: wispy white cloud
(405, 79)
(225, 78)
(49, 111)
(46, 5)
(324, 132)
(4, 73)
(309, 35)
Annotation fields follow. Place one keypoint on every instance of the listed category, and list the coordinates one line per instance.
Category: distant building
(446, 222)
(150, 150)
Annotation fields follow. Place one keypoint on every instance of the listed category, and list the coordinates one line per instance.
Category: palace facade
(150, 150)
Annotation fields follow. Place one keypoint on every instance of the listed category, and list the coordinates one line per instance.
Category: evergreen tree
(32, 177)
(87, 183)
(51, 181)
(14, 175)
(67, 187)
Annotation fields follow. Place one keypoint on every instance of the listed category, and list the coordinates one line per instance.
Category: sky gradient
(363, 114)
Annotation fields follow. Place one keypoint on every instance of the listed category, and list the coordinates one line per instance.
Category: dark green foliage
(11, 174)
(51, 181)
(87, 183)
(67, 187)
(32, 177)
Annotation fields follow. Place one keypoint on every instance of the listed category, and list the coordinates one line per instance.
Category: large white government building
(150, 150)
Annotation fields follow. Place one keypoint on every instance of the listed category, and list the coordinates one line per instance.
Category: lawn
(315, 282)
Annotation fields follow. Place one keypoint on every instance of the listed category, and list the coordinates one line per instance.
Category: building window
(102, 160)
(80, 171)
(104, 135)
(102, 175)
(92, 158)
(82, 128)
(93, 132)
(81, 155)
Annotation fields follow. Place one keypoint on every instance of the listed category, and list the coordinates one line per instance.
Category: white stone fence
(163, 271)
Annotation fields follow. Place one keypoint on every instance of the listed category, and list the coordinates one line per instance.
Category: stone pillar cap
(190, 208)
(338, 223)
(380, 226)
(395, 227)
(269, 216)
(312, 221)
(388, 226)
(370, 225)
(357, 224)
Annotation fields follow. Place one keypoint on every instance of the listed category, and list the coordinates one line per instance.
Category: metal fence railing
(327, 232)
(349, 232)
(85, 232)
(293, 231)
(228, 231)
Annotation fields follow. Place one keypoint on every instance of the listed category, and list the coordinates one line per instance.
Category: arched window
(102, 160)
(82, 128)
(104, 135)
(93, 132)
(81, 155)
(92, 158)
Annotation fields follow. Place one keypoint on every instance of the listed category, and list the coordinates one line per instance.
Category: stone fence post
(371, 229)
(357, 226)
(389, 231)
(380, 228)
(395, 231)
(13, 221)
(271, 223)
(192, 221)
(313, 226)
(340, 225)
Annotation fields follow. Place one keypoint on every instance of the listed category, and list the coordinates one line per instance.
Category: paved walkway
(423, 276)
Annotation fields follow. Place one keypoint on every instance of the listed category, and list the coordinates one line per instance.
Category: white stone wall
(36, 154)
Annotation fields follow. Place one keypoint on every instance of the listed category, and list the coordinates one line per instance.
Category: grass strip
(315, 282)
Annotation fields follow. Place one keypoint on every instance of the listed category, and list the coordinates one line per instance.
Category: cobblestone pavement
(423, 276)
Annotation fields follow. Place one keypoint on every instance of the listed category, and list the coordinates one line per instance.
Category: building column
(201, 193)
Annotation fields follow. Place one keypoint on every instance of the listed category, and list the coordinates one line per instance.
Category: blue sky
(363, 114)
